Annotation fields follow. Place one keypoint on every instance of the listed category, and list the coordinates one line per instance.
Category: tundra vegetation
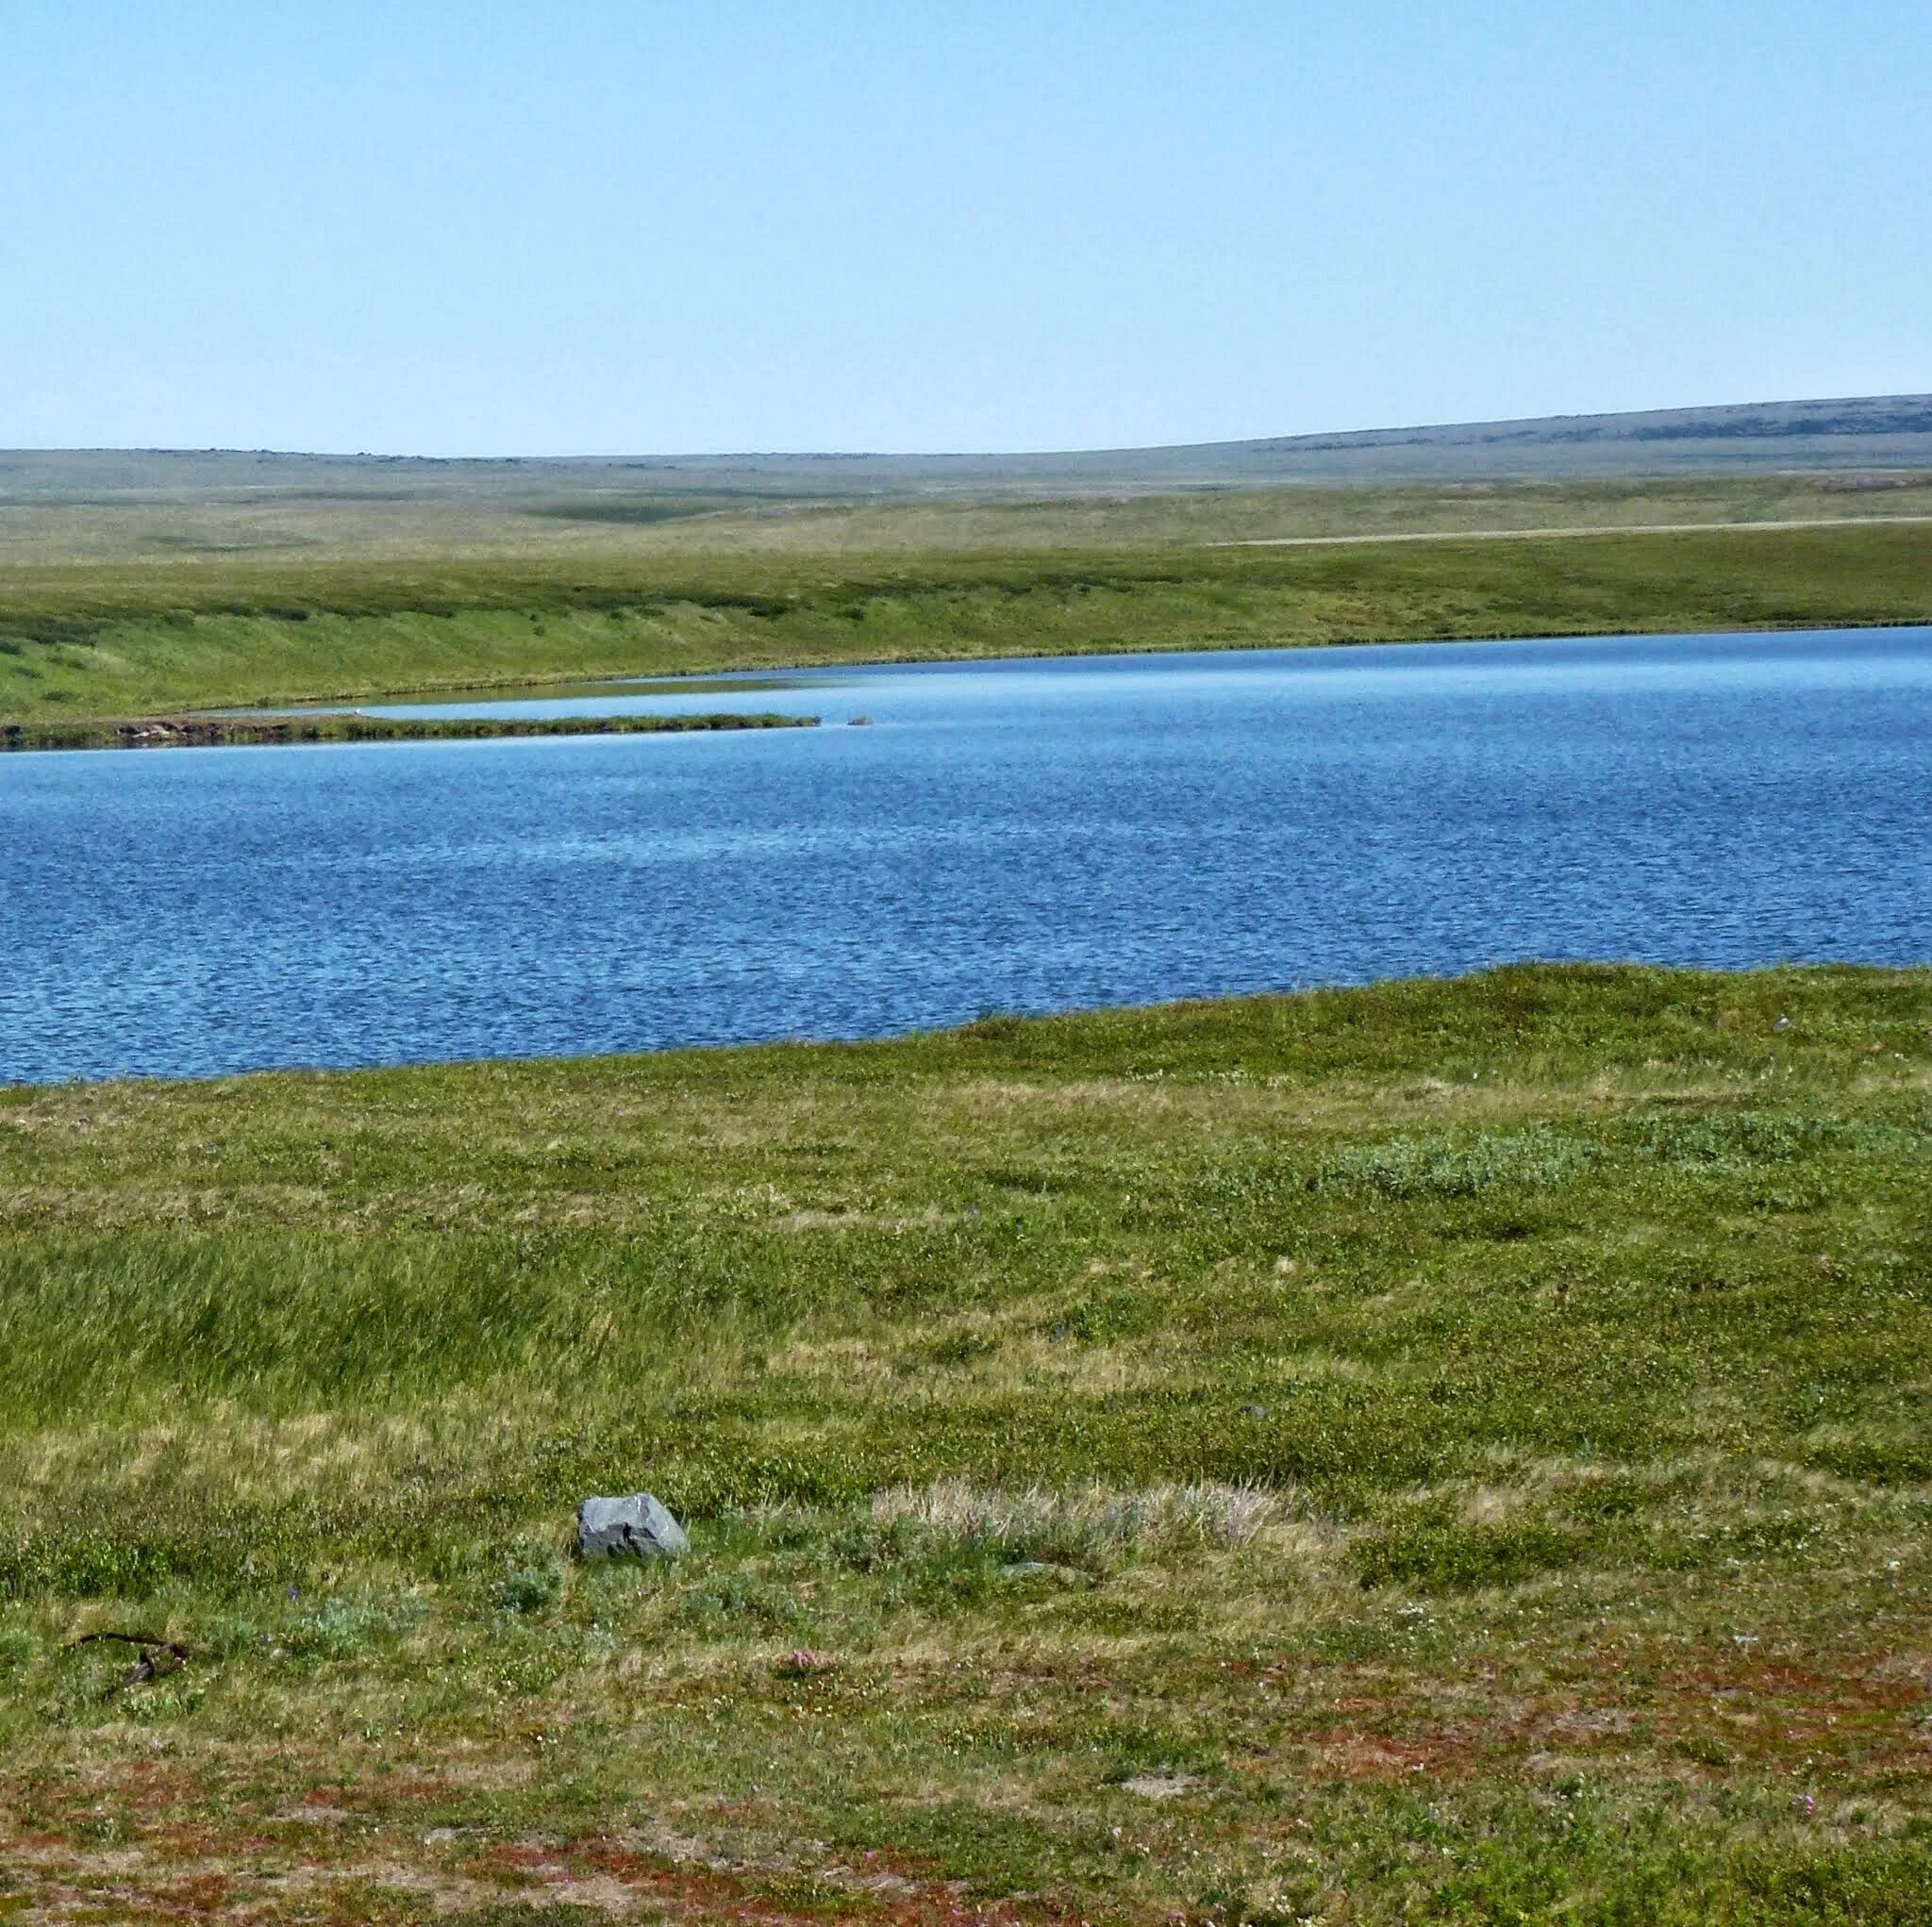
(1441, 1451)
(123, 597)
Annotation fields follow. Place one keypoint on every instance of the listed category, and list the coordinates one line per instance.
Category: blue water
(1022, 836)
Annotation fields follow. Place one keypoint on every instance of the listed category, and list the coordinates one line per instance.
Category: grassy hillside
(1440, 1451)
(100, 640)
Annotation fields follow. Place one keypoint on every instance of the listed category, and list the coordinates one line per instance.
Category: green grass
(207, 732)
(1434, 1451)
(110, 639)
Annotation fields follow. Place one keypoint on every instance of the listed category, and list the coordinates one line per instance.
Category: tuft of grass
(1090, 1520)
(1537, 1159)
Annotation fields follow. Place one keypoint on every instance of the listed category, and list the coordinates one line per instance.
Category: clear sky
(450, 226)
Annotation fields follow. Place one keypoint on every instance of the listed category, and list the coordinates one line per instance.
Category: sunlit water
(1018, 836)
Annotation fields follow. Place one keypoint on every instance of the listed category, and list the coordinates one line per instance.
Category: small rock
(638, 1525)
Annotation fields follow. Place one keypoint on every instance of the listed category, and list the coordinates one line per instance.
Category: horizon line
(1063, 453)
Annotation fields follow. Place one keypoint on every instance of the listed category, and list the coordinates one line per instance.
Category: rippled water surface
(1006, 836)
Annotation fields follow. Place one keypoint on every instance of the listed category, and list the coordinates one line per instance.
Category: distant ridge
(1880, 431)
(1868, 432)
(1861, 416)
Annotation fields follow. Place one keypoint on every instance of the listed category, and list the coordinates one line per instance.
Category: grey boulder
(636, 1525)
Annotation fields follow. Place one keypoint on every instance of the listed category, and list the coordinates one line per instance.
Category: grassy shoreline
(110, 642)
(1440, 1451)
(231, 732)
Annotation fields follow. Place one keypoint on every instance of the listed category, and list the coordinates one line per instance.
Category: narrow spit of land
(1443, 1451)
(229, 732)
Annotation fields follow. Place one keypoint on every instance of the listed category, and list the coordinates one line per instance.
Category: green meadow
(1437, 1452)
(142, 602)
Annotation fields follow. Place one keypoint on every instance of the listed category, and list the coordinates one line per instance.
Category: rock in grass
(638, 1526)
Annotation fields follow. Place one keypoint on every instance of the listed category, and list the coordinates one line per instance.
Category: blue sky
(447, 227)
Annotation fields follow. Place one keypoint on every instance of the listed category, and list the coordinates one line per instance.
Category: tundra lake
(1021, 836)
